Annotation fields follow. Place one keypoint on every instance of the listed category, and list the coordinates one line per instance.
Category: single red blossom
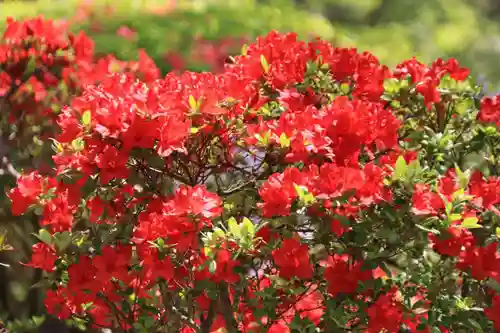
(43, 256)
(112, 164)
(386, 314)
(490, 110)
(172, 135)
(60, 304)
(58, 214)
(29, 187)
(426, 202)
(486, 192)
(338, 228)
(451, 67)
(292, 258)
(198, 201)
(428, 89)
(483, 262)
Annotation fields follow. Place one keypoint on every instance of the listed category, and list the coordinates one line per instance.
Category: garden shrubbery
(304, 187)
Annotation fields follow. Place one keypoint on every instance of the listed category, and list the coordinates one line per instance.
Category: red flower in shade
(292, 258)
(493, 312)
(343, 276)
(452, 242)
(338, 228)
(59, 303)
(385, 314)
(224, 268)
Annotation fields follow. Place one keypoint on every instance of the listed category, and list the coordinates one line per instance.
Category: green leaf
(345, 88)
(392, 85)
(219, 233)
(497, 232)
(284, 141)
(475, 324)
(305, 197)
(263, 140)
(78, 144)
(62, 240)
(44, 236)
(193, 104)
(265, 64)
(30, 66)
(400, 169)
(234, 228)
(431, 230)
(247, 228)
(57, 146)
(212, 267)
(3, 245)
(463, 177)
(471, 223)
(86, 118)
(244, 49)
(414, 169)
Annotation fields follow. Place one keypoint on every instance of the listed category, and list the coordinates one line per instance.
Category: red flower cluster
(42, 67)
(271, 195)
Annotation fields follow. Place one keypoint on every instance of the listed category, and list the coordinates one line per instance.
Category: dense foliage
(42, 66)
(304, 188)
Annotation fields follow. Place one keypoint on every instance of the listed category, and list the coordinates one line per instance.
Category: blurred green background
(200, 34)
(392, 29)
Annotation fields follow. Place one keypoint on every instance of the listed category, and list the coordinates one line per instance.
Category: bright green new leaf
(234, 228)
(305, 197)
(193, 104)
(392, 85)
(471, 223)
(247, 228)
(284, 141)
(400, 170)
(78, 144)
(244, 49)
(265, 64)
(86, 118)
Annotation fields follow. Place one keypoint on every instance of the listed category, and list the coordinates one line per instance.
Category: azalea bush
(305, 188)
(42, 66)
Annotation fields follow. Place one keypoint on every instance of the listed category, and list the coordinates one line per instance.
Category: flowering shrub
(42, 66)
(305, 188)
